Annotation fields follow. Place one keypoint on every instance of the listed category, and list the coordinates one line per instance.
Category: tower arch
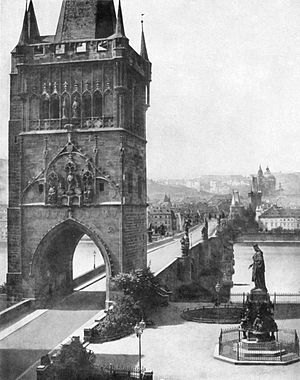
(51, 270)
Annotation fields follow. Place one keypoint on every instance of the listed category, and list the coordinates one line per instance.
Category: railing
(122, 373)
(84, 123)
(276, 298)
(283, 349)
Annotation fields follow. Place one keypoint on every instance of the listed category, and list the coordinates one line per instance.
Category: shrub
(121, 318)
(191, 291)
(73, 361)
(141, 285)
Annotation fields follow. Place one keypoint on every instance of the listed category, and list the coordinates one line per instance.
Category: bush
(191, 291)
(141, 285)
(120, 319)
(73, 362)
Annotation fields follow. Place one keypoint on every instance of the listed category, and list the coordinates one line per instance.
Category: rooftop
(280, 212)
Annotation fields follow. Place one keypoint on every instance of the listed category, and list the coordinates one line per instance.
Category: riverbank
(268, 238)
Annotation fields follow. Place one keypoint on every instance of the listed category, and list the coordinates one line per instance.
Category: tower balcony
(103, 122)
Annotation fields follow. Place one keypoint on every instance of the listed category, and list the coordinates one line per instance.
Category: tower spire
(120, 31)
(33, 29)
(143, 53)
(30, 31)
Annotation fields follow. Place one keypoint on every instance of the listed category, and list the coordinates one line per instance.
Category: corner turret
(120, 31)
(144, 52)
(30, 30)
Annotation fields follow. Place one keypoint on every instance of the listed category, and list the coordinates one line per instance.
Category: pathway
(179, 350)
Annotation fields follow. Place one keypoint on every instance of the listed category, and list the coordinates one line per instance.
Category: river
(282, 264)
(83, 260)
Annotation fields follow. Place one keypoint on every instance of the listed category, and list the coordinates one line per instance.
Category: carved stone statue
(258, 269)
(75, 109)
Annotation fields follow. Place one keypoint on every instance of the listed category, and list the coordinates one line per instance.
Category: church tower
(77, 147)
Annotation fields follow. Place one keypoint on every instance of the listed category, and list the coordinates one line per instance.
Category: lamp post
(94, 253)
(218, 288)
(138, 329)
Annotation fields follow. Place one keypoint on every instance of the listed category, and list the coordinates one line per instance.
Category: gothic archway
(52, 262)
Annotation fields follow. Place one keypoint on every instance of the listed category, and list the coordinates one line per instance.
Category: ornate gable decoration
(70, 178)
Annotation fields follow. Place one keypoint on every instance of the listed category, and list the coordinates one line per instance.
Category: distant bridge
(158, 257)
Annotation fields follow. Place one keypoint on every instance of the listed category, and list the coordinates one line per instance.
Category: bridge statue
(258, 316)
(258, 269)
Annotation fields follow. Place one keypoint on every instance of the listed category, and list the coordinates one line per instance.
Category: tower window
(97, 104)
(54, 106)
(45, 107)
(41, 188)
(86, 105)
(101, 186)
(38, 50)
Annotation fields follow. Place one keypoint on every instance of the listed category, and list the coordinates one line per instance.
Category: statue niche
(70, 182)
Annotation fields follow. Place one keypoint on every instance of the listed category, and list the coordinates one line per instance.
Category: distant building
(161, 215)
(266, 182)
(275, 217)
(255, 195)
(236, 207)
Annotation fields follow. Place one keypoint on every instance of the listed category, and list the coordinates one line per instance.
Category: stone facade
(77, 148)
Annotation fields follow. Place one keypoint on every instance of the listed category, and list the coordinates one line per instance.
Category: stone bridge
(209, 260)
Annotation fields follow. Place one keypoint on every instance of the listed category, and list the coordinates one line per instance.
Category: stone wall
(207, 263)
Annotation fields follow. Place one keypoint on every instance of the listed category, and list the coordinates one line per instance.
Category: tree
(74, 361)
(141, 285)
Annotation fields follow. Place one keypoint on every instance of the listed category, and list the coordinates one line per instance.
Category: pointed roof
(87, 19)
(143, 53)
(120, 31)
(33, 29)
(30, 30)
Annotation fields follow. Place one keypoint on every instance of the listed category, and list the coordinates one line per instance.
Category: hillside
(157, 191)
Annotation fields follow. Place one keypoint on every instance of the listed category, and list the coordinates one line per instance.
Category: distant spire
(120, 31)
(143, 53)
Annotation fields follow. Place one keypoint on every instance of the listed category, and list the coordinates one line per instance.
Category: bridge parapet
(205, 263)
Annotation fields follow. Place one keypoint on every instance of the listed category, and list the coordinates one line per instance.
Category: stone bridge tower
(77, 157)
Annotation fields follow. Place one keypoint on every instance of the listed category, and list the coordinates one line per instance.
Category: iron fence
(284, 348)
(276, 298)
(122, 373)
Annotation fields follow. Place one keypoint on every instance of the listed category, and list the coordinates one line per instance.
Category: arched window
(86, 105)
(97, 104)
(108, 103)
(45, 100)
(34, 108)
(54, 106)
(65, 106)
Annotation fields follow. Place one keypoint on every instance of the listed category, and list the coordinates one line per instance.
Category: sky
(225, 90)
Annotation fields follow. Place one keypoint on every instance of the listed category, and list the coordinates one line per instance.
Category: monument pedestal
(253, 349)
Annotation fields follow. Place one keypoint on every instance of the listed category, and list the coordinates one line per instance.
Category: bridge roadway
(22, 344)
